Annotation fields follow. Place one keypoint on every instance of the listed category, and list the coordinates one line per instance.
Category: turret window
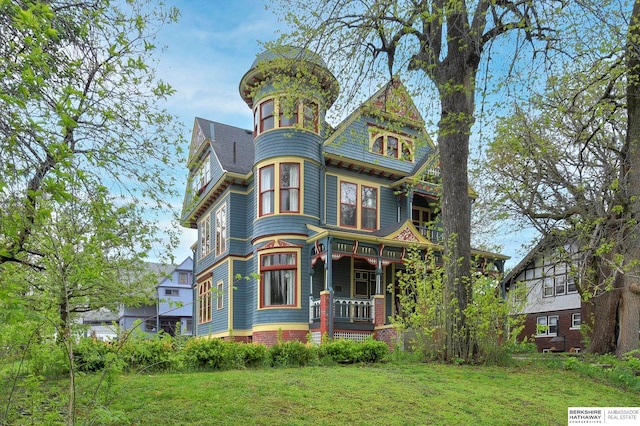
(280, 190)
(267, 118)
(266, 191)
(290, 113)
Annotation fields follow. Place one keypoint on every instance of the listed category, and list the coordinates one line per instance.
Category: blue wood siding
(388, 205)
(288, 142)
(241, 296)
(311, 191)
(331, 199)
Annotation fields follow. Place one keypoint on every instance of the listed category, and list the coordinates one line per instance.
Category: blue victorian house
(302, 227)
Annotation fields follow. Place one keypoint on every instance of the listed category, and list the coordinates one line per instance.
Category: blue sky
(207, 53)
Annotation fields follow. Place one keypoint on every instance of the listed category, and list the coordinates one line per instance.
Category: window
(576, 320)
(267, 119)
(369, 207)
(289, 187)
(571, 285)
(547, 326)
(183, 278)
(391, 145)
(548, 285)
(204, 302)
(171, 292)
(354, 197)
(205, 236)
(311, 116)
(202, 176)
(278, 275)
(561, 284)
(348, 206)
(189, 327)
(221, 230)
(266, 190)
(220, 295)
(287, 112)
(290, 113)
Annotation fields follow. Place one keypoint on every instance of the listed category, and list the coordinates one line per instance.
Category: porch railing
(345, 309)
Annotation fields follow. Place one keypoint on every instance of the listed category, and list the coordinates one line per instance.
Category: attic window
(391, 145)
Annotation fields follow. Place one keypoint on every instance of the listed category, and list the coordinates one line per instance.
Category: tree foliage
(85, 147)
(565, 163)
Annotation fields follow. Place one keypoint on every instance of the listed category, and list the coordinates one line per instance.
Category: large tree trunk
(601, 315)
(454, 78)
(630, 307)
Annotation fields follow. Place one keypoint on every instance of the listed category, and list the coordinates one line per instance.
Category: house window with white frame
(183, 278)
(548, 285)
(221, 230)
(547, 326)
(278, 279)
(202, 175)
(171, 292)
(205, 236)
(576, 320)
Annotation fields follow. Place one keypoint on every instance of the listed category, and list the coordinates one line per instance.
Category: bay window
(289, 187)
(266, 190)
(278, 274)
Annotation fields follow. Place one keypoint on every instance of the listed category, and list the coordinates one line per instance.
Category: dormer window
(201, 176)
(284, 112)
(391, 145)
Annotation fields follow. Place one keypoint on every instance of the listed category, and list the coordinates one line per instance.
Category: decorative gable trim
(394, 102)
(408, 232)
(278, 244)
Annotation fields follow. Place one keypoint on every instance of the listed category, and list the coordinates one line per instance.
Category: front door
(365, 283)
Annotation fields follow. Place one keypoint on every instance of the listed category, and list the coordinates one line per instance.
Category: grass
(389, 394)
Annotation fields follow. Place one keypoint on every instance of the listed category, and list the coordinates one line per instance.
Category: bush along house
(302, 227)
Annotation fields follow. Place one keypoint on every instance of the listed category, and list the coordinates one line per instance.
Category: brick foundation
(270, 338)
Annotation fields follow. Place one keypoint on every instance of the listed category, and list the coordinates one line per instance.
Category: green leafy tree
(568, 164)
(445, 42)
(493, 321)
(81, 109)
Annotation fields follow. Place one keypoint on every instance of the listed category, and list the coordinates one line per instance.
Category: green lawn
(385, 394)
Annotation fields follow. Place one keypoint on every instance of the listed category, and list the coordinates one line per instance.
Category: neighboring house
(552, 304)
(173, 308)
(294, 217)
(101, 324)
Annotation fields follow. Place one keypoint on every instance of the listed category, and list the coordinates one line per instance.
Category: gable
(394, 103)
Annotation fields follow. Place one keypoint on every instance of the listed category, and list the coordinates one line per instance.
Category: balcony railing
(431, 234)
(345, 309)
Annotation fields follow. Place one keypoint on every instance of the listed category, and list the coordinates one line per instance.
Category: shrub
(349, 352)
(289, 354)
(143, 352)
(250, 354)
(208, 353)
(89, 355)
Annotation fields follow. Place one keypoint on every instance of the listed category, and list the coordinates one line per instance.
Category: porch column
(325, 304)
(378, 310)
